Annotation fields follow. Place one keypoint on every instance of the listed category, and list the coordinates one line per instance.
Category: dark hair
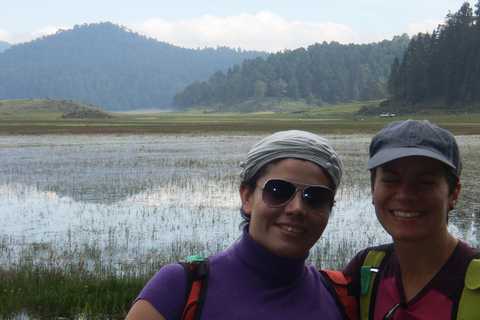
(252, 183)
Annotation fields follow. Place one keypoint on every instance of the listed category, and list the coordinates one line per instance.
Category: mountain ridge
(108, 66)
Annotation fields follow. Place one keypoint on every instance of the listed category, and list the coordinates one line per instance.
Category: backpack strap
(469, 304)
(373, 263)
(338, 285)
(197, 270)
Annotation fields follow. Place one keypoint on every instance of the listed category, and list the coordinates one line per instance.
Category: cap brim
(391, 154)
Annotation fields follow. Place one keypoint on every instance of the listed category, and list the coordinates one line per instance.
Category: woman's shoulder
(170, 276)
(467, 249)
(173, 271)
(166, 290)
(464, 253)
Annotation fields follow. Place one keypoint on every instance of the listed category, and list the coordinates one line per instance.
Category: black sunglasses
(277, 192)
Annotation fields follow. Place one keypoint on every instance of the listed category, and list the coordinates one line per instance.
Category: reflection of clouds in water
(124, 231)
(49, 195)
(213, 196)
(134, 197)
(29, 216)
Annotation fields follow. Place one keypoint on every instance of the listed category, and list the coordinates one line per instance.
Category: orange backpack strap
(338, 285)
(197, 270)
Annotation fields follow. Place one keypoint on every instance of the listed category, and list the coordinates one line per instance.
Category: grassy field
(43, 292)
(18, 117)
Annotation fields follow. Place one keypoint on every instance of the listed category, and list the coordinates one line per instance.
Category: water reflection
(125, 199)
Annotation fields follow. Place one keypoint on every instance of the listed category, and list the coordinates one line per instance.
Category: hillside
(68, 109)
(321, 74)
(4, 46)
(109, 66)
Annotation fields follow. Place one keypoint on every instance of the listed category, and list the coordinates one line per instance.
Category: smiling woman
(264, 275)
(415, 168)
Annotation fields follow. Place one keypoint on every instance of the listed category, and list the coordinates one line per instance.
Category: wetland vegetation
(92, 208)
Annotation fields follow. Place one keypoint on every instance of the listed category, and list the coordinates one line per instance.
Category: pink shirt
(434, 301)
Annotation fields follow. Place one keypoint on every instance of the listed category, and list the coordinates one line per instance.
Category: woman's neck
(420, 261)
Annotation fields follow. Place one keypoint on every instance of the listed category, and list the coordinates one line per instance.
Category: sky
(268, 25)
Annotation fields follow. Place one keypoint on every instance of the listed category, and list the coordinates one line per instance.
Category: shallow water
(123, 200)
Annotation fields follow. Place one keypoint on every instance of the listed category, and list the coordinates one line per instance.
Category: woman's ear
(455, 194)
(246, 196)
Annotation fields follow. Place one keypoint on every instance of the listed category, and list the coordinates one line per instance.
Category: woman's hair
(251, 184)
(295, 144)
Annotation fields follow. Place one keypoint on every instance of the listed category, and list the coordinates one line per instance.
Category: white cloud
(4, 35)
(14, 38)
(264, 31)
(424, 26)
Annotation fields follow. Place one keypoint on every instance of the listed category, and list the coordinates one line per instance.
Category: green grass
(44, 291)
(333, 119)
(52, 293)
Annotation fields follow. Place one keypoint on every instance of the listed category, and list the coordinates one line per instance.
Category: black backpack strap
(197, 271)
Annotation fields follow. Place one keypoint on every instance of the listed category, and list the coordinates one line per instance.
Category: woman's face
(411, 198)
(292, 229)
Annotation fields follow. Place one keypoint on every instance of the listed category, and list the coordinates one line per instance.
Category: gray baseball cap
(401, 139)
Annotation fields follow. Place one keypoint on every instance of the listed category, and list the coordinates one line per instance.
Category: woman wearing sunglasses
(289, 181)
(426, 273)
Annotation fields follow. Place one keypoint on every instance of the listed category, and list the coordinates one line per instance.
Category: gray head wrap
(293, 144)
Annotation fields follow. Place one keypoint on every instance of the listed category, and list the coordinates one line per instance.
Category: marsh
(136, 202)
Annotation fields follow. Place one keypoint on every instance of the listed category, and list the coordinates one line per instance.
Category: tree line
(322, 73)
(441, 69)
(108, 66)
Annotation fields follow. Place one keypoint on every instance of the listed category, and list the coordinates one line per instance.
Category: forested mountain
(4, 46)
(322, 73)
(108, 66)
(441, 69)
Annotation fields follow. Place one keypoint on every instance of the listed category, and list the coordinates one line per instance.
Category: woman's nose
(297, 204)
(405, 192)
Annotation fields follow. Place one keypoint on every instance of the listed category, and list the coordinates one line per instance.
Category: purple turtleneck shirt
(247, 282)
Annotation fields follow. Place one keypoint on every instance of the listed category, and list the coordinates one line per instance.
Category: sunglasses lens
(319, 199)
(277, 192)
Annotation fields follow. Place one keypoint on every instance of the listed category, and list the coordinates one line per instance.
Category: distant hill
(4, 46)
(68, 108)
(319, 75)
(108, 66)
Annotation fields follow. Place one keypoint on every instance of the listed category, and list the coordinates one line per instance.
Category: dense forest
(322, 73)
(108, 66)
(441, 69)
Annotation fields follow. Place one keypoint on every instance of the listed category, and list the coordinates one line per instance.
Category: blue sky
(270, 25)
